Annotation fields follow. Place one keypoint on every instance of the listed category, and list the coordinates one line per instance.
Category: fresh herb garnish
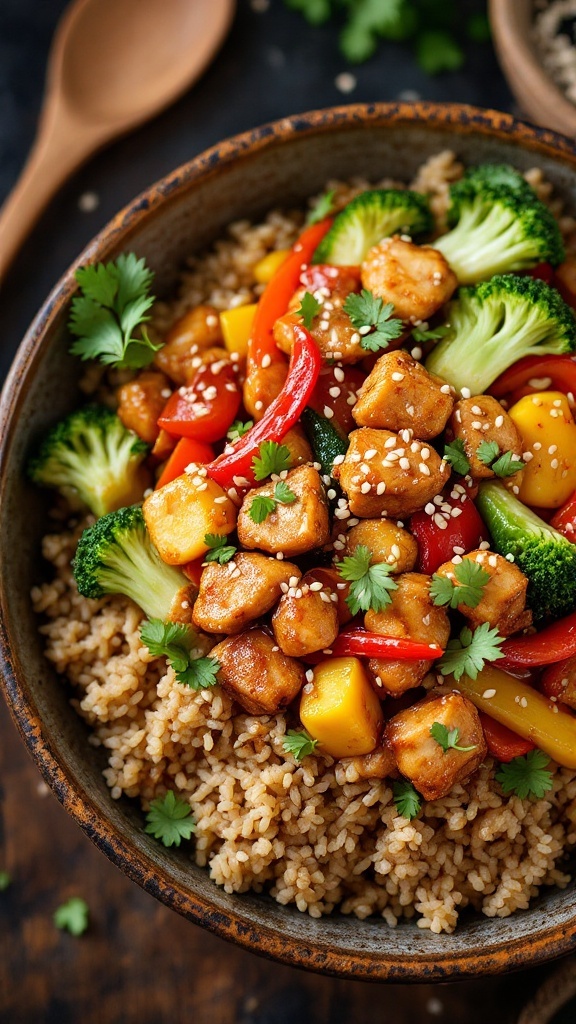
(526, 775)
(220, 551)
(455, 454)
(72, 916)
(429, 334)
(261, 507)
(467, 587)
(502, 465)
(408, 801)
(438, 51)
(322, 207)
(468, 654)
(370, 584)
(272, 458)
(5, 880)
(115, 300)
(308, 309)
(238, 429)
(487, 451)
(170, 819)
(366, 310)
(175, 641)
(299, 744)
(448, 738)
(283, 494)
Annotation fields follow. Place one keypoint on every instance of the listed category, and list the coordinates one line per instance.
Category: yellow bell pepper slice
(236, 326)
(548, 431)
(341, 710)
(265, 269)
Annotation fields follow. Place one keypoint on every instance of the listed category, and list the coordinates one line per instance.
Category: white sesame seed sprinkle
(488, 694)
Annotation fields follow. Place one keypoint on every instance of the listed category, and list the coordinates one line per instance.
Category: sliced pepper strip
(229, 469)
(186, 451)
(554, 643)
(363, 644)
(515, 382)
(564, 520)
(436, 544)
(277, 294)
(501, 741)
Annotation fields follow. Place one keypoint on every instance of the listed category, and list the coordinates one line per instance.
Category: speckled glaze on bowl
(278, 164)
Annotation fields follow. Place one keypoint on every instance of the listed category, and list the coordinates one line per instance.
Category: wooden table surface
(139, 963)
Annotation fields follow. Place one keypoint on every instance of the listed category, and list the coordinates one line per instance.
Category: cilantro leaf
(366, 310)
(367, 20)
(448, 738)
(429, 334)
(299, 744)
(272, 458)
(283, 494)
(238, 429)
(308, 309)
(487, 451)
(322, 208)
(114, 301)
(408, 801)
(371, 584)
(5, 880)
(438, 51)
(220, 551)
(72, 916)
(315, 11)
(175, 641)
(478, 27)
(471, 579)
(526, 775)
(507, 465)
(468, 654)
(455, 454)
(170, 819)
(260, 508)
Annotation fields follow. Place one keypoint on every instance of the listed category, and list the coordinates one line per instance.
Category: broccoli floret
(494, 175)
(497, 322)
(546, 557)
(497, 229)
(91, 456)
(117, 556)
(369, 218)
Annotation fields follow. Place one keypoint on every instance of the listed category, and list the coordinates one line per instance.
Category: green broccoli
(497, 228)
(117, 556)
(494, 175)
(91, 456)
(545, 556)
(369, 218)
(497, 322)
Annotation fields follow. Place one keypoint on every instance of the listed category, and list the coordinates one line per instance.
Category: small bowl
(538, 95)
(278, 164)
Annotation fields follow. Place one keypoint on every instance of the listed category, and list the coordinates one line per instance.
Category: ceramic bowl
(278, 164)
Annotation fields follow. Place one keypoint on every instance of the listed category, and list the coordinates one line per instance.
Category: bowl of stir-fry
(290, 623)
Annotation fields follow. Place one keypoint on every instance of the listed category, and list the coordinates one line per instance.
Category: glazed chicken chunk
(386, 541)
(256, 674)
(399, 393)
(232, 595)
(290, 528)
(141, 401)
(331, 328)
(380, 764)
(192, 334)
(410, 614)
(433, 771)
(503, 601)
(390, 474)
(479, 419)
(306, 619)
(416, 279)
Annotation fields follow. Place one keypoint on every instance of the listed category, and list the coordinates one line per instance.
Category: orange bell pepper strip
(186, 451)
(502, 742)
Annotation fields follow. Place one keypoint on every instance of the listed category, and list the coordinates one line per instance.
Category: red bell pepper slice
(502, 742)
(564, 520)
(278, 292)
(553, 681)
(186, 451)
(363, 644)
(205, 408)
(436, 544)
(231, 468)
(551, 644)
(557, 372)
(340, 405)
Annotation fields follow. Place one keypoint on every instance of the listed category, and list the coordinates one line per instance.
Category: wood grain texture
(139, 963)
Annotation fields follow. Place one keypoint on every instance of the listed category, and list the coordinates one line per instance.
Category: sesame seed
(365, 487)
(308, 687)
(493, 561)
(455, 513)
(258, 405)
(370, 453)
(293, 581)
(484, 545)
(509, 557)
(339, 374)
(557, 403)
(446, 389)
(220, 500)
(554, 464)
(317, 585)
(476, 410)
(334, 392)
(404, 463)
(536, 446)
(309, 676)
(498, 422)
(523, 702)
(337, 461)
(553, 448)
(328, 412)
(476, 425)
(331, 494)
(351, 400)
(381, 487)
(397, 376)
(364, 468)
(440, 521)
(458, 550)
(280, 556)
(488, 694)
(527, 456)
(364, 330)
(424, 469)
(266, 360)
(324, 597)
(416, 352)
(425, 453)
(466, 393)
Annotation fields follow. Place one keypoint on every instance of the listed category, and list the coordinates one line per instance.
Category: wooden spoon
(113, 64)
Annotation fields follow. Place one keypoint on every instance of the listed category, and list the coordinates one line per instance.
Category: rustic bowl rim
(549, 941)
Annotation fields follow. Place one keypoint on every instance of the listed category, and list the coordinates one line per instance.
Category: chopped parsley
(467, 587)
(370, 584)
(502, 465)
(468, 654)
(219, 551)
(72, 916)
(526, 776)
(174, 641)
(366, 310)
(408, 801)
(299, 744)
(308, 309)
(238, 429)
(323, 206)
(272, 458)
(448, 738)
(115, 300)
(170, 819)
(455, 454)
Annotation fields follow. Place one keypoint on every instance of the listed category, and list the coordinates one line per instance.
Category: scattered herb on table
(408, 801)
(370, 584)
(299, 744)
(170, 819)
(367, 310)
(448, 738)
(526, 775)
(72, 916)
(467, 587)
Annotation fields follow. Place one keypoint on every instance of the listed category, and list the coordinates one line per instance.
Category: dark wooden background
(139, 963)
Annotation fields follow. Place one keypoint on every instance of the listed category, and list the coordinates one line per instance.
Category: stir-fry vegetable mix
(365, 503)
